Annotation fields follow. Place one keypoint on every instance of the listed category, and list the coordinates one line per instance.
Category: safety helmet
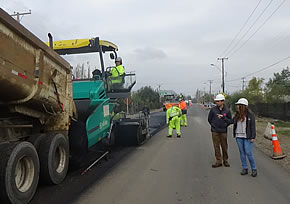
(118, 59)
(219, 97)
(242, 101)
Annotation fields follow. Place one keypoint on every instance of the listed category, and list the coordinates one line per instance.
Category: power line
(258, 28)
(241, 28)
(236, 44)
(263, 69)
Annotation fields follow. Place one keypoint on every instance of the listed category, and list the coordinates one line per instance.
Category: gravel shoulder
(265, 145)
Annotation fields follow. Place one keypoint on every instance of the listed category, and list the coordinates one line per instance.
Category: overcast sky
(169, 43)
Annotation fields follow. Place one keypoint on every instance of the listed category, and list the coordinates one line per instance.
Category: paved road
(178, 170)
(75, 184)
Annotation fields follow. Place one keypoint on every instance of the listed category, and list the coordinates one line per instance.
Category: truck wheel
(19, 172)
(139, 136)
(54, 158)
(78, 142)
(36, 140)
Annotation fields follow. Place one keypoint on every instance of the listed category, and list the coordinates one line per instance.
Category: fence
(279, 111)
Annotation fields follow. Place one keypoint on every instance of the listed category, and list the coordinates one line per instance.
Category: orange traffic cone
(277, 153)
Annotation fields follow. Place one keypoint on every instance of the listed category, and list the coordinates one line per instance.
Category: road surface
(178, 170)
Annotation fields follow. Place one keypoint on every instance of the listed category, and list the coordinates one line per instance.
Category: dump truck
(48, 119)
(168, 98)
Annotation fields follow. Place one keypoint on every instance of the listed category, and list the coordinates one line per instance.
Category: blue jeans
(246, 150)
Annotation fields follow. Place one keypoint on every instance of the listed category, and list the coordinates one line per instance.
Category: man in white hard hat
(220, 118)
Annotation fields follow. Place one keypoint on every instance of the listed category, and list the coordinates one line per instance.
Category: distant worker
(182, 105)
(173, 120)
(220, 118)
(116, 74)
(181, 96)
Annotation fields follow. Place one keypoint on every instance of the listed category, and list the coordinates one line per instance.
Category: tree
(198, 97)
(278, 86)
(233, 98)
(254, 91)
(146, 96)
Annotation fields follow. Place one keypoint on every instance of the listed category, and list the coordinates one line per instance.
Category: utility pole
(203, 95)
(243, 86)
(158, 89)
(159, 86)
(210, 82)
(223, 72)
(17, 14)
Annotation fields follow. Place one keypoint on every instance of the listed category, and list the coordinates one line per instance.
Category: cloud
(159, 39)
(149, 53)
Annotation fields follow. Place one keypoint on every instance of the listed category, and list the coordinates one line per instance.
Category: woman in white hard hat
(245, 134)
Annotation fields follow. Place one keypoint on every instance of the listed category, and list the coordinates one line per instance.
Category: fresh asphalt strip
(75, 183)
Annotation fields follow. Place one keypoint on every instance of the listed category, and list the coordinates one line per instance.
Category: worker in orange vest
(183, 107)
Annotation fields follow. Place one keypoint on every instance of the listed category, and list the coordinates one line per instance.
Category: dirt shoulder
(265, 145)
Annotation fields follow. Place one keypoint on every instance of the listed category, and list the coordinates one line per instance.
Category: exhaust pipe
(50, 40)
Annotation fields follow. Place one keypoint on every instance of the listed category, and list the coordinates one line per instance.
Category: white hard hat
(118, 59)
(219, 97)
(242, 101)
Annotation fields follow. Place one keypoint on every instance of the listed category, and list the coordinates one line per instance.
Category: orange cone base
(281, 156)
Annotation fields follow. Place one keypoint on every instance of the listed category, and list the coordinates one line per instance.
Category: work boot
(178, 135)
(169, 135)
(254, 173)
(244, 172)
(216, 165)
(226, 164)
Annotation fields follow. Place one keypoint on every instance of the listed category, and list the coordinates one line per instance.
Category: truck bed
(35, 81)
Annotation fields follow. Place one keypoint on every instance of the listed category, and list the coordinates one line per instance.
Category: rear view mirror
(112, 56)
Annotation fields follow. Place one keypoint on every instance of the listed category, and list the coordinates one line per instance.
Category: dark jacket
(250, 126)
(219, 125)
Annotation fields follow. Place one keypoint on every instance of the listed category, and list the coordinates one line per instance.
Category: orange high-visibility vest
(182, 105)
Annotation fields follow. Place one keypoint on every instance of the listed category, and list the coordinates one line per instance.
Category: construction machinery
(48, 119)
(97, 115)
(169, 100)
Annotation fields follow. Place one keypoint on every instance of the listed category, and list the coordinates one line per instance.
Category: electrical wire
(261, 14)
(241, 29)
(258, 28)
(261, 70)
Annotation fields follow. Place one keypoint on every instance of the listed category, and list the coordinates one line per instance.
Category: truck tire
(36, 140)
(78, 143)
(54, 158)
(19, 172)
(140, 138)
